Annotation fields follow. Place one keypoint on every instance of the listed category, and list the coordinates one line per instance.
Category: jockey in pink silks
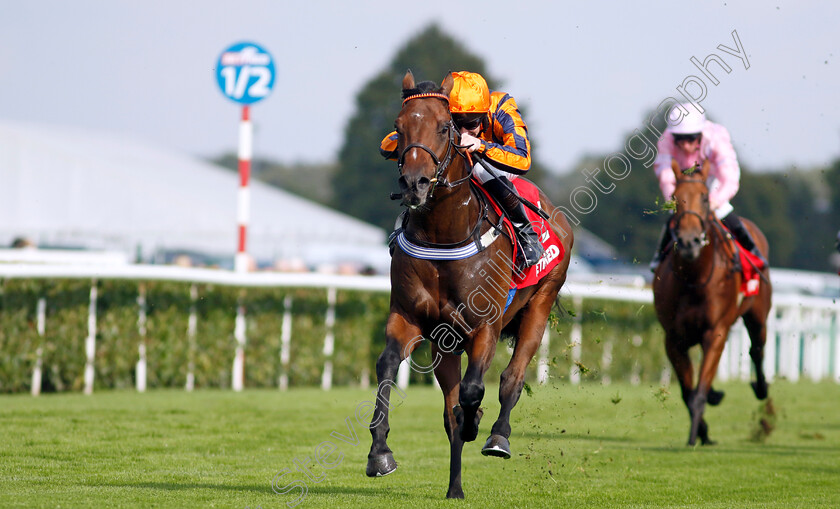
(694, 140)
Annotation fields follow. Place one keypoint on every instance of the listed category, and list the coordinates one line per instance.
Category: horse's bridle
(440, 164)
(673, 225)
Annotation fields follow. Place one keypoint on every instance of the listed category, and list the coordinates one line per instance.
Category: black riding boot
(531, 249)
(742, 235)
(664, 239)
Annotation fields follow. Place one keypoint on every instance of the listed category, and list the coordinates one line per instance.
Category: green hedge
(630, 331)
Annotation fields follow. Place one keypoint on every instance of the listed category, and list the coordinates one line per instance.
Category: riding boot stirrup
(531, 249)
(743, 236)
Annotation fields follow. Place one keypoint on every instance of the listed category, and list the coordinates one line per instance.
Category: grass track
(573, 447)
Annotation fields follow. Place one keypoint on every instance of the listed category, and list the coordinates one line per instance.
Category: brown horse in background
(696, 294)
(456, 304)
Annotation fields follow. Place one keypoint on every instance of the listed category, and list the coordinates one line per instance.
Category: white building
(68, 187)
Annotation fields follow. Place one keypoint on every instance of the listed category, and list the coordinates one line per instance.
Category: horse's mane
(421, 88)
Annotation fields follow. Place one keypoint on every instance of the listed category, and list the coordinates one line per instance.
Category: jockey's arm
(727, 171)
(662, 166)
(513, 154)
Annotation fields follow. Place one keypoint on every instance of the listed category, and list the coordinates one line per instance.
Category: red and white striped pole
(245, 74)
(241, 262)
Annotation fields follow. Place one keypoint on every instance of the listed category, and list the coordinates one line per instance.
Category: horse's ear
(408, 80)
(446, 85)
(704, 171)
(675, 166)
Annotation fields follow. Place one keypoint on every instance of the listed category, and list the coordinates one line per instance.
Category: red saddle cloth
(554, 250)
(750, 278)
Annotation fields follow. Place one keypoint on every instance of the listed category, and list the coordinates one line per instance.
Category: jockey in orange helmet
(491, 125)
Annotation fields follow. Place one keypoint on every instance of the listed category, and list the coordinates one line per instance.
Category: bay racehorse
(458, 304)
(696, 291)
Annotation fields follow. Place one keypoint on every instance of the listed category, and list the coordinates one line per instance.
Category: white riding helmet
(690, 124)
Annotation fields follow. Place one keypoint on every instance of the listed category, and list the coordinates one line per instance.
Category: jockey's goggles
(687, 137)
(468, 121)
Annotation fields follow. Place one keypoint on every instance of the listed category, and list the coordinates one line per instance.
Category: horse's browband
(429, 94)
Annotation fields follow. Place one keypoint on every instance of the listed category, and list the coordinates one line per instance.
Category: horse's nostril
(423, 182)
(403, 184)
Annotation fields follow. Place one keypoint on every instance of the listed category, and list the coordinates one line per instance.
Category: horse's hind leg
(401, 339)
(513, 377)
(448, 374)
(757, 328)
(755, 319)
(714, 397)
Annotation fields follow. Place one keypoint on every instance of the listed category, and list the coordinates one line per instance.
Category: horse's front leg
(448, 375)
(401, 339)
(513, 377)
(681, 362)
(481, 350)
(713, 343)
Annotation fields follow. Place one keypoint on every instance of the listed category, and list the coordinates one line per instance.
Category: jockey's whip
(540, 212)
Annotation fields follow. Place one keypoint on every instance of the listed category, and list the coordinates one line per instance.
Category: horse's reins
(719, 228)
(440, 166)
(540, 212)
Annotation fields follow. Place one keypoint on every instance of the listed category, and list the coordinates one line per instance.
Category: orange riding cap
(504, 139)
(470, 93)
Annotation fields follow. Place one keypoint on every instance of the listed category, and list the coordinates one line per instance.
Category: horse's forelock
(424, 87)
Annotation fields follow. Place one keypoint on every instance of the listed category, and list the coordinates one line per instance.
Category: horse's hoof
(497, 446)
(458, 413)
(759, 390)
(468, 430)
(382, 465)
(469, 433)
(456, 492)
(714, 397)
(707, 441)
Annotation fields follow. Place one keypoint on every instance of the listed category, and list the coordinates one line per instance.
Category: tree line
(797, 209)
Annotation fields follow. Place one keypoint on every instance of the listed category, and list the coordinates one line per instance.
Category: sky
(587, 73)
